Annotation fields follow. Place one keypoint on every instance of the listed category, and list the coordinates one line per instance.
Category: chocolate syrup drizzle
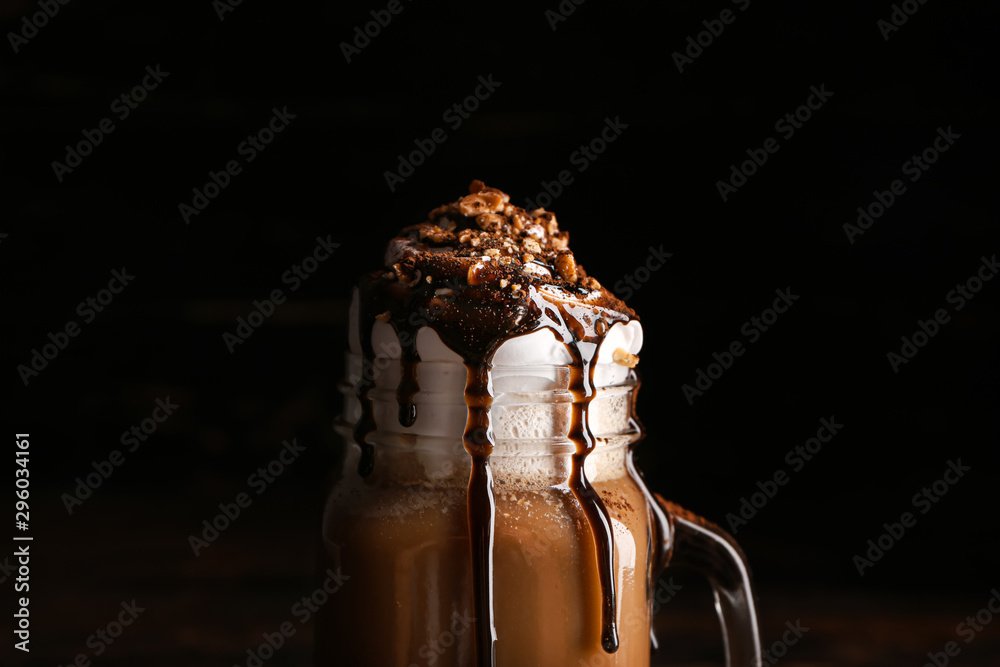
(473, 320)
(578, 326)
(407, 389)
(478, 441)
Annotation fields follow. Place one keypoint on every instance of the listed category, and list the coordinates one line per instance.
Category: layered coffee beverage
(488, 511)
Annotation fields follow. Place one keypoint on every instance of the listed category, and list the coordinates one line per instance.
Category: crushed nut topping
(484, 229)
(623, 357)
(437, 235)
(406, 274)
(566, 266)
(533, 269)
(481, 202)
(489, 221)
(475, 274)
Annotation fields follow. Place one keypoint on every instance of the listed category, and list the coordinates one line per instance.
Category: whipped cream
(534, 362)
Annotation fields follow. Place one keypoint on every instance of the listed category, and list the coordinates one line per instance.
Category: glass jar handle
(700, 545)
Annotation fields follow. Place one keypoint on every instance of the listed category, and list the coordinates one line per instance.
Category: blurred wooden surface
(207, 611)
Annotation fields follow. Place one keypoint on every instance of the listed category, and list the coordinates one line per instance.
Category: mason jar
(399, 536)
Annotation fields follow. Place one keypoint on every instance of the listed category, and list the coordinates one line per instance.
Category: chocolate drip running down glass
(488, 511)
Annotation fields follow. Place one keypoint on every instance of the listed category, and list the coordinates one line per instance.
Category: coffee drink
(488, 511)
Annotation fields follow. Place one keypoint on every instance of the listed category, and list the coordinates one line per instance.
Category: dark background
(655, 186)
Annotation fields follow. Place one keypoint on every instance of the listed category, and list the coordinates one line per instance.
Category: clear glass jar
(401, 534)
